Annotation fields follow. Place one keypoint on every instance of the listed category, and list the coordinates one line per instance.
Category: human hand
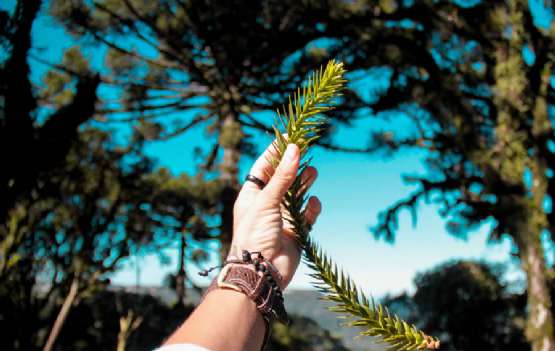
(258, 223)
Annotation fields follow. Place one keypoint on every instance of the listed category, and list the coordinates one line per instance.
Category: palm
(258, 218)
(269, 234)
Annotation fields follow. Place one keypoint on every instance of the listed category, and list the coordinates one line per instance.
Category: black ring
(255, 180)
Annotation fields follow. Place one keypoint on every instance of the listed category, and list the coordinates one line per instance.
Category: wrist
(235, 323)
(254, 276)
(237, 253)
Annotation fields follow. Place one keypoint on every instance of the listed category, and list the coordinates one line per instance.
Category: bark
(539, 327)
(16, 126)
(228, 177)
(181, 276)
(127, 325)
(516, 103)
(62, 315)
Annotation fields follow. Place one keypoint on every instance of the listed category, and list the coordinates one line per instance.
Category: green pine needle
(302, 121)
(338, 287)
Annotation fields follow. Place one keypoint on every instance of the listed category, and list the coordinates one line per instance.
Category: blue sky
(353, 190)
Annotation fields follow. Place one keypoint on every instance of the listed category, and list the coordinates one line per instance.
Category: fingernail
(290, 153)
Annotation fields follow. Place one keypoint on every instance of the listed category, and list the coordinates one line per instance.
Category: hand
(258, 223)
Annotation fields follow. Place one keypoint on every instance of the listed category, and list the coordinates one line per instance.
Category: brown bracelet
(257, 279)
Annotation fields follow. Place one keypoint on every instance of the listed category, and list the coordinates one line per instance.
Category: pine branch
(301, 122)
(339, 288)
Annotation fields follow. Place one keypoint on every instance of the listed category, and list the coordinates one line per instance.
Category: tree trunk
(62, 315)
(539, 327)
(513, 155)
(181, 276)
(230, 139)
(127, 325)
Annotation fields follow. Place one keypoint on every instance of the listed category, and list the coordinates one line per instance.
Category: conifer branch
(338, 287)
(302, 121)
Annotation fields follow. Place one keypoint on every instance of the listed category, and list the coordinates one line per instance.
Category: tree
(95, 322)
(37, 147)
(109, 205)
(465, 304)
(74, 203)
(480, 109)
(184, 206)
(73, 239)
(205, 70)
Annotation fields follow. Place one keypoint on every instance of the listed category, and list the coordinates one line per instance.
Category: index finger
(262, 168)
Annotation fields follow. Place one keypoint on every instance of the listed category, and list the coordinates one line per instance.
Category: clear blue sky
(353, 190)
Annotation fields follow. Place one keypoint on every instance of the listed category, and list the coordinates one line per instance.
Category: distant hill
(305, 303)
(308, 303)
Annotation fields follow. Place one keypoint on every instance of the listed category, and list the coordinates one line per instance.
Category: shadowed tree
(108, 205)
(72, 239)
(74, 203)
(94, 324)
(186, 64)
(470, 86)
(466, 306)
(31, 147)
(187, 208)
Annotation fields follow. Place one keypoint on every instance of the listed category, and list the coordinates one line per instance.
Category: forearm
(231, 320)
(225, 320)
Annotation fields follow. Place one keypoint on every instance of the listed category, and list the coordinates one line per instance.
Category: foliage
(108, 206)
(474, 290)
(339, 288)
(179, 66)
(302, 333)
(74, 202)
(40, 141)
(197, 56)
(94, 324)
(471, 85)
(301, 121)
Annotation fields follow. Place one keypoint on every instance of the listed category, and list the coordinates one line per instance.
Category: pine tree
(205, 73)
(473, 83)
(36, 147)
(501, 310)
(74, 203)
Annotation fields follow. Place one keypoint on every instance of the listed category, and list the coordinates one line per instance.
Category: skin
(227, 319)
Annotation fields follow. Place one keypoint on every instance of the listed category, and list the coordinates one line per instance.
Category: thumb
(285, 174)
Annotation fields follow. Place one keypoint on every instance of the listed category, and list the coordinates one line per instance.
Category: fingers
(312, 210)
(308, 177)
(262, 169)
(284, 175)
